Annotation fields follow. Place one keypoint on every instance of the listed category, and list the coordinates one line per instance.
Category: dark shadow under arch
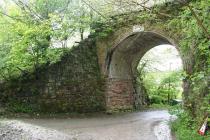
(121, 64)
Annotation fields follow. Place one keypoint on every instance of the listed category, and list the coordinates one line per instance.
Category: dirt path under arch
(148, 125)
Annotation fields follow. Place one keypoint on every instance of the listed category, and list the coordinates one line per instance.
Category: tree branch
(94, 9)
(199, 22)
(150, 9)
(14, 18)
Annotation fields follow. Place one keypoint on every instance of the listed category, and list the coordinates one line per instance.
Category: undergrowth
(186, 127)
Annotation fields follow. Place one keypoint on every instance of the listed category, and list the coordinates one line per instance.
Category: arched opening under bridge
(121, 67)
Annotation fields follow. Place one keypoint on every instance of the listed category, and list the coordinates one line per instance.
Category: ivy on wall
(188, 25)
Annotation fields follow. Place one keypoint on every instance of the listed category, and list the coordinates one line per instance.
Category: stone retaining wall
(119, 94)
(73, 84)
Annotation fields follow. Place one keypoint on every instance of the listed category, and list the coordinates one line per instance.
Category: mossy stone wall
(73, 84)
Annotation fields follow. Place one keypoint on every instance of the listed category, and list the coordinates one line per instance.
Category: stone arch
(121, 64)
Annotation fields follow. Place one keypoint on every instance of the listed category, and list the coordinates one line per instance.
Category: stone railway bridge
(99, 73)
(119, 63)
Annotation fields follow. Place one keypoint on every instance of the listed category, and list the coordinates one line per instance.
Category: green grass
(185, 127)
(19, 107)
(160, 106)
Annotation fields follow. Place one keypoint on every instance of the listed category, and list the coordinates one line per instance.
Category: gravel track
(149, 125)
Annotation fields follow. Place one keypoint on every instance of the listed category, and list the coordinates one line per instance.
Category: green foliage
(27, 50)
(194, 46)
(44, 8)
(193, 37)
(167, 85)
(26, 35)
(21, 107)
(186, 127)
(29, 29)
(102, 30)
(159, 106)
(27, 47)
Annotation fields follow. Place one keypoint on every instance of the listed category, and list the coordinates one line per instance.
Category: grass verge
(185, 127)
